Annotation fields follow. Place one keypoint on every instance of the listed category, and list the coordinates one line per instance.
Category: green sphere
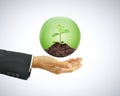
(59, 29)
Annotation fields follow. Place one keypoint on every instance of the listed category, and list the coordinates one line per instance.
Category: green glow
(59, 29)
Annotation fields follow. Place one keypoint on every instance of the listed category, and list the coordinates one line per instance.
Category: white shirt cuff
(31, 64)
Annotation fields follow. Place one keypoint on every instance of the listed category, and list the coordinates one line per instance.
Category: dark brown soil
(60, 50)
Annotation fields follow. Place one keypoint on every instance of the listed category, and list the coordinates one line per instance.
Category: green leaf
(55, 34)
(65, 31)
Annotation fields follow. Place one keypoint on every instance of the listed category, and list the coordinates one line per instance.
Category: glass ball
(60, 36)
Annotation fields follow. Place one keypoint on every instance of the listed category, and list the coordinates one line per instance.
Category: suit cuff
(15, 64)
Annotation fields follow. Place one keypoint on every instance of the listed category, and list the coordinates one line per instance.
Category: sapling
(61, 30)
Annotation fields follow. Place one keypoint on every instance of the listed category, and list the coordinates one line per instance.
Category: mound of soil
(60, 50)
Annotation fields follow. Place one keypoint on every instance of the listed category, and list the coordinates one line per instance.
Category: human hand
(55, 66)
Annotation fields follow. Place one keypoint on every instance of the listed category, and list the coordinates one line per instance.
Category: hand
(55, 66)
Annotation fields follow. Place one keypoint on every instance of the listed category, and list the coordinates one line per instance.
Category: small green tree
(61, 30)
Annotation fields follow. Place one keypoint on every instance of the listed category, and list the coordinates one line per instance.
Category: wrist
(35, 62)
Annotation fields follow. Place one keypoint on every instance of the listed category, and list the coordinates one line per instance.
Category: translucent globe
(62, 30)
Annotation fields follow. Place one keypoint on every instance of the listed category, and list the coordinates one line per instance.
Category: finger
(67, 64)
(70, 69)
(76, 67)
(58, 70)
(79, 60)
(62, 64)
(76, 60)
(66, 70)
(69, 60)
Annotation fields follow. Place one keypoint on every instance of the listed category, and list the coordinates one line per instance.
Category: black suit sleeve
(15, 64)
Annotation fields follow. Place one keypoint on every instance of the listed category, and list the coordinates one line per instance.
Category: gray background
(99, 22)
